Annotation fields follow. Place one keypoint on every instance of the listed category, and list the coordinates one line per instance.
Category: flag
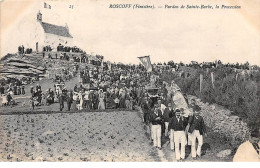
(146, 62)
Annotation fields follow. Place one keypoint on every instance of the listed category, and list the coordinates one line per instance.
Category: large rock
(213, 107)
(220, 120)
(224, 153)
(246, 153)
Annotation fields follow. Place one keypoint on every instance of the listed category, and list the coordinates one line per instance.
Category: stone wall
(220, 120)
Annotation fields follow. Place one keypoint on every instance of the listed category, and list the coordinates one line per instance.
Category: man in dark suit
(69, 99)
(23, 91)
(38, 87)
(192, 104)
(197, 129)
(146, 110)
(178, 125)
(166, 116)
(15, 90)
(61, 100)
(156, 120)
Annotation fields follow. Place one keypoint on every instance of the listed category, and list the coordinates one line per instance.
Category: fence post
(212, 79)
(185, 75)
(236, 76)
(201, 79)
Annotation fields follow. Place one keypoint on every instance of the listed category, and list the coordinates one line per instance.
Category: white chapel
(50, 34)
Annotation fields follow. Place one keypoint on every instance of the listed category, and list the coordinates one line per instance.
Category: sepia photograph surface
(129, 81)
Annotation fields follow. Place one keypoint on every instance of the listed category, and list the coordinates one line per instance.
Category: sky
(122, 35)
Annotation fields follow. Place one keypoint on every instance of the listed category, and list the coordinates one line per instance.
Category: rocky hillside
(221, 121)
(15, 66)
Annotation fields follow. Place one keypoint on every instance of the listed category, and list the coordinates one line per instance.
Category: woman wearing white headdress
(80, 98)
(101, 96)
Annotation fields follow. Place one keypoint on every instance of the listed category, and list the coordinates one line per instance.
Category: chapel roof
(57, 30)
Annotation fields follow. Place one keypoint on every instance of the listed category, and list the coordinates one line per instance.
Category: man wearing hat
(197, 129)
(162, 108)
(69, 99)
(23, 91)
(15, 90)
(146, 110)
(192, 106)
(61, 100)
(156, 119)
(76, 88)
(166, 115)
(192, 103)
(18, 90)
(38, 87)
(177, 125)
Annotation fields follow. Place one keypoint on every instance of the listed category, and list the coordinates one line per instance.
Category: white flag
(146, 62)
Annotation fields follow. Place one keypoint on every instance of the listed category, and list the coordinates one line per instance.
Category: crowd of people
(47, 48)
(28, 51)
(36, 95)
(15, 87)
(125, 87)
(209, 65)
(168, 121)
(7, 92)
(98, 89)
(84, 58)
(74, 49)
(21, 50)
(64, 75)
(120, 86)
